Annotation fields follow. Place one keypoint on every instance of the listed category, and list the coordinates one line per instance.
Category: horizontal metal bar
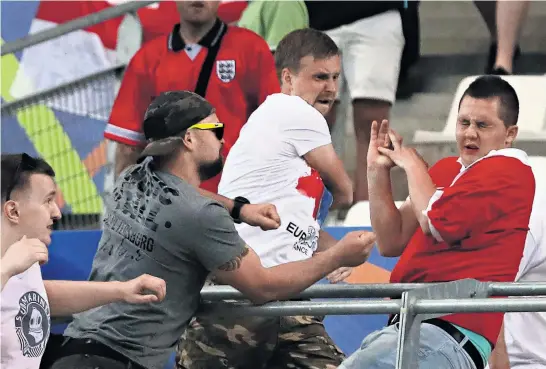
(10, 107)
(291, 308)
(518, 289)
(216, 293)
(74, 25)
(517, 304)
(364, 307)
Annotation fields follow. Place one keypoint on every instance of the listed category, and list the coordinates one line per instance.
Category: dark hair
(487, 87)
(16, 171)
(301, 43)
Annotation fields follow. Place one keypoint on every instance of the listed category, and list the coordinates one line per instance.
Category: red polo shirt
(243, 75)
(479, 223)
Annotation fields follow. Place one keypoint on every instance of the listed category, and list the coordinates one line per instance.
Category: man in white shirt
(28, 213)
(522, 342)
(284, 156)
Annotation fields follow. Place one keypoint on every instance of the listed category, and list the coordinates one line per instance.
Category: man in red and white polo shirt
(237, 80)
(466, 217)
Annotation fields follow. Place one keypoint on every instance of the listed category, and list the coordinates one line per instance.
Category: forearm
(226, 202)
(499, 357)
(71, 297)
(325, 241)
(421, 188)
(286, 280)
(385, 217)
(342, 192)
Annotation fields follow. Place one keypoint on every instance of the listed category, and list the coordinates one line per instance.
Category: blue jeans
(437, 350)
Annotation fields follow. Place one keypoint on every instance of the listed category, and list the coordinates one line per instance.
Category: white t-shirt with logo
(266, 165)
(25, 320)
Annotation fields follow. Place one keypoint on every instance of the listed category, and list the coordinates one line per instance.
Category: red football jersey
(479, 226)
(242, 76)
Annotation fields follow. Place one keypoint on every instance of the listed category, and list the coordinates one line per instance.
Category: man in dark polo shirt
(235, 81)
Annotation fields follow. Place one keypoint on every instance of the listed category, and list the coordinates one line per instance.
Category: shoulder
(506, 163)
(297, 108)
(153, 49)
(248, 39)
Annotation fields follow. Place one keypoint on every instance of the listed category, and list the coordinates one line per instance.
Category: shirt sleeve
(306, 130)
(216, 240)
(492, 188)
(134, 96)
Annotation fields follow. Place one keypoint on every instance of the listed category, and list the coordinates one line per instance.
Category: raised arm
(393, 227)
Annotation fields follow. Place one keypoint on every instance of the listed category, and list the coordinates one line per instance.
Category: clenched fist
(144, 289)
(354, 249)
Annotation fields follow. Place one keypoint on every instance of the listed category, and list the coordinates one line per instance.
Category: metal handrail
(366, 307)
(74, 25)
(65, 87)
(377, 290)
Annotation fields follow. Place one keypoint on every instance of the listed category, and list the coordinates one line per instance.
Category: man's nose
(56, 213)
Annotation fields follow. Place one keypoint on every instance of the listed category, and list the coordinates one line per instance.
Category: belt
(77, 346)
(456, 334)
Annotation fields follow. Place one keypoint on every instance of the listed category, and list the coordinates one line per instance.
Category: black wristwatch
(238, 203)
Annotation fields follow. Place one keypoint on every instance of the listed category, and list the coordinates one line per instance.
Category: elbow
(389, 250)
(261, 297)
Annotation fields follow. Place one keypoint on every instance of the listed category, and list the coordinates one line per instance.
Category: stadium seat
(531, 92)
(359, 214)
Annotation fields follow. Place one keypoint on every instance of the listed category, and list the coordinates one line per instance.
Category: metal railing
(74, 25)
(418, 302)
(65, 125)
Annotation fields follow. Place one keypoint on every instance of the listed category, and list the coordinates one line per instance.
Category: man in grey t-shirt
(157, 221)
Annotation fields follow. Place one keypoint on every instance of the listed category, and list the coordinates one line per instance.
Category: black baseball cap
(170, 114)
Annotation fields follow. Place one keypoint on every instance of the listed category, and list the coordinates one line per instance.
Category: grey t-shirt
(155, 223)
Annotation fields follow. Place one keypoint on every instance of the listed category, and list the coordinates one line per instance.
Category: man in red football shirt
(236, 81)
(466, 217)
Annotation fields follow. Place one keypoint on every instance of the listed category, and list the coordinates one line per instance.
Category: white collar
(509, 152)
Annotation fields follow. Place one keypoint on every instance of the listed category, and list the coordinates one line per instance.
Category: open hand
(23, 254)
(264, 216)
(401, 155)
(144, 289)
(379, 138)
(339, 274)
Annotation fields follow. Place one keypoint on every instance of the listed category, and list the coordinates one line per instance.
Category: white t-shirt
(25, 320)
(525, 333)
(266, 165)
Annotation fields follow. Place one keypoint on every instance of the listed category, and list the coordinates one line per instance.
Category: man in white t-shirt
(522, 342)
(284, 156)
(28, 213)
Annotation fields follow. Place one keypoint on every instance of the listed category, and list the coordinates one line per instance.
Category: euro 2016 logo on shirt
(32, 324)
(225, 70)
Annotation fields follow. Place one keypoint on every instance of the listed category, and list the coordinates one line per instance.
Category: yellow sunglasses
(218, 128)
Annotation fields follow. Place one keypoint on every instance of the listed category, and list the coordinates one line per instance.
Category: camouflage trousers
(299, 342)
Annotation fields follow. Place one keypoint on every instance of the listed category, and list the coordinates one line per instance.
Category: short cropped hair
(301, 43)
(17, 169)
(490, 86)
